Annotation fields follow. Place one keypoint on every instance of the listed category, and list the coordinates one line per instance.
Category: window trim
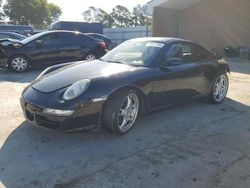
(185, 43)
(49, 35)
(210, 57)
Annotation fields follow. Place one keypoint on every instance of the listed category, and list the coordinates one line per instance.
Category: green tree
(90, 14)
(119, 17)
(94, 14)
(108, 21)
(2, 15)
(138, 17)
(35, 12)
(54, 12)
(122, 16)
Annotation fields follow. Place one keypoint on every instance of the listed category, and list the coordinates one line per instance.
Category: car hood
(10, 43)
(66, 76)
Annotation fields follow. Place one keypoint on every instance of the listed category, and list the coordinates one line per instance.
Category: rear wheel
(219, 89)
(121, 111)
(18, 63)
(91, 57)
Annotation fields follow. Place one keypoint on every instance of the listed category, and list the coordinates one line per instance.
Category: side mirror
(172, 62)
(39, 43)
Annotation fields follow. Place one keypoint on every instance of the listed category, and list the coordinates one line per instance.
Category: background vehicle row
(50, 47)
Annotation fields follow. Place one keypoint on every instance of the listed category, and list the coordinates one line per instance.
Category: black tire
(25, 63)
(91, 57)
(111, 110)
(212, 97)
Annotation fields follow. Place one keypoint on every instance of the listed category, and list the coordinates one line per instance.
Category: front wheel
(121, 111)
(219, 89)
(18, 63)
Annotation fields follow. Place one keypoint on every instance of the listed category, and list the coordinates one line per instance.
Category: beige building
(213, 23)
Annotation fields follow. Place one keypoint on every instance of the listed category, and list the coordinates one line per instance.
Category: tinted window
(98, 36)
(94, 35)
(202, 54)
(87, 38)
(76, 39)
(182, 51)
(18, 36)
(51, 39)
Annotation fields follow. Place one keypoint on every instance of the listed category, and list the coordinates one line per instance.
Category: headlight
(76, 89)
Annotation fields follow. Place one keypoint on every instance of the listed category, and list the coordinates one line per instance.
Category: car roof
(6, 32)
(94, 34)
(97, 34)
(160, 39)
(62, 31)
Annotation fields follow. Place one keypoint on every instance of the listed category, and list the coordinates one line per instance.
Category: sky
(72, 9)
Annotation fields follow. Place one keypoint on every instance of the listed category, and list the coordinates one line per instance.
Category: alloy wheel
(19, 64)
(128, 112)
(220, 88)
(90, 57)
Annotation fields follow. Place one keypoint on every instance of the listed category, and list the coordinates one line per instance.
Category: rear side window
(183, 51)
(98, 37)
(71, 39)
(201, 54)
(87, 38)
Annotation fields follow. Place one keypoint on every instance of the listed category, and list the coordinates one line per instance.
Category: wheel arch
(90, 52)
(143, 108)
(221, 71)
(9, 66)
(18, 54)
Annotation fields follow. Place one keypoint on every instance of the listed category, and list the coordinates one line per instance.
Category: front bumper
(3, 62)
(83, 118)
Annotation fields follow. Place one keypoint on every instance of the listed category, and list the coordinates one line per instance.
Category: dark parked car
(104, 38)
(11, 35)
(136, 77)
(50, 47)
(83, 27)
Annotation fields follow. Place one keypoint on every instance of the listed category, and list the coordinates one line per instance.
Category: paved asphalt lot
(193, 145)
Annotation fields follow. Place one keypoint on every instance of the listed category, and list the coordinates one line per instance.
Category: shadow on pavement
(34, 157)
(26, 77)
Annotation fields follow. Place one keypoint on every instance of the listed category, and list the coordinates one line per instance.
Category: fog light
(56, 112)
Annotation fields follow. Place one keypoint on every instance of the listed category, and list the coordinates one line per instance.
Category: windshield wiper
(111, 61)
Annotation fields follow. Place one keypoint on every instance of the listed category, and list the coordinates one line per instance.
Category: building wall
(217, 23)
(165, 22)
(213, 23)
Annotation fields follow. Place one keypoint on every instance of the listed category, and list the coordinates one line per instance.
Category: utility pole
(146, 25)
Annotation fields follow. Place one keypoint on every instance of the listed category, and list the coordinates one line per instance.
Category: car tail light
(102, 45)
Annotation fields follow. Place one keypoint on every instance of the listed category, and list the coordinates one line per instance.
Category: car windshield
(20, 36)
(134, 52)
(31, 38)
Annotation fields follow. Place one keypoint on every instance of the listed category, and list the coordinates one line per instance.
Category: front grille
(33, 113)
(45, 122)
(29, 115)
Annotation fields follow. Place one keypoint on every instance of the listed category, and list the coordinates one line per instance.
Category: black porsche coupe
(136, 77)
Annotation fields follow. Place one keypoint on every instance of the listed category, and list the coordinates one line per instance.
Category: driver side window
(181, 51)
(51, 39)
